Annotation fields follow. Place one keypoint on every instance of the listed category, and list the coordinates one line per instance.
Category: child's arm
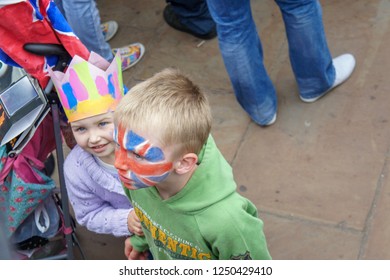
(89, 203)
(96, 214)
(248, 236)
(132, 254)
(235, 232)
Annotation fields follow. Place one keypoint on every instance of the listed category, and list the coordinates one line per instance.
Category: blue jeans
(84, 19)
(194, 14)
(242, 53)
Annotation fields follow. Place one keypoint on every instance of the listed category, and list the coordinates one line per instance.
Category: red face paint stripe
(142, 151)
(147, 169)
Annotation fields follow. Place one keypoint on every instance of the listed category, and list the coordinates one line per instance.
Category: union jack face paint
(139, 163)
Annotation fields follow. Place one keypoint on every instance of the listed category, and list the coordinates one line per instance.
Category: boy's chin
(133, 187)
(129, 186)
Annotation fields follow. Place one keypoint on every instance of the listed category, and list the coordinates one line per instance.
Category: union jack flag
(35, 21)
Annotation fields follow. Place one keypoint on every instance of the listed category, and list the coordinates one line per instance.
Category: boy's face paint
(139, 163)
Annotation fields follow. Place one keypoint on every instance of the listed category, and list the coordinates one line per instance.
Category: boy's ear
(186, 164)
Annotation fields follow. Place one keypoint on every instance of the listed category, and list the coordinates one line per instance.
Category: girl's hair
(170, 105)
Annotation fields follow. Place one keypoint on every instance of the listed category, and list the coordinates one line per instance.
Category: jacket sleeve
(91, 210)
(139, 243)
(235, 232)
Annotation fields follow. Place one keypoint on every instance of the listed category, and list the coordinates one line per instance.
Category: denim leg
(83, 17)
(194, 14)
(310, 57)
(242, 53)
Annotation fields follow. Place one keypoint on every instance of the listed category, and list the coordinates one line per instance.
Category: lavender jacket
(97, 197)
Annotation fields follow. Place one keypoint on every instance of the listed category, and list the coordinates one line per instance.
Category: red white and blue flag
(35, 21)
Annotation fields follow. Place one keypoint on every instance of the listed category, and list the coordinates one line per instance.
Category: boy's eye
(137, 156)
(103, 123)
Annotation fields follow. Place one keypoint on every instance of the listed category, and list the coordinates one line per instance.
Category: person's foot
(272, 121)
(130, 54)
(172, 20)
(344, 66)
(109, 29)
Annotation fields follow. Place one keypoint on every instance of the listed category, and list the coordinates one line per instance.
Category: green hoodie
(207, 219)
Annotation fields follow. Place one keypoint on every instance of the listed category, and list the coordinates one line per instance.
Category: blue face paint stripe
(133, 140)
(115, 135)
(138, 183)
(157, 178)
(154, 154)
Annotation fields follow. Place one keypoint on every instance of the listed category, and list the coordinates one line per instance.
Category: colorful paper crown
(89, 88)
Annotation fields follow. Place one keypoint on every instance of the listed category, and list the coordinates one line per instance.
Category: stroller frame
(62, 200)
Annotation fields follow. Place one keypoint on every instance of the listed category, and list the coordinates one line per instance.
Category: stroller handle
(50, 49)
(45, 49)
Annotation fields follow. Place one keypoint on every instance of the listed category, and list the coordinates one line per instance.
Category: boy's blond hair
(170, 105)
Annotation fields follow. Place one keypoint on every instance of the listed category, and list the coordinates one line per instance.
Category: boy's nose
(120, 160)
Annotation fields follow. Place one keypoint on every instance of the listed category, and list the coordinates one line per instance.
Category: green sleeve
(234, 231)
(139, 243)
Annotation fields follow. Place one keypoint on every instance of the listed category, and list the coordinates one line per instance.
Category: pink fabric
(34, 154)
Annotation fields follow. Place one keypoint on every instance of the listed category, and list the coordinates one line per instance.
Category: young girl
(89, 92)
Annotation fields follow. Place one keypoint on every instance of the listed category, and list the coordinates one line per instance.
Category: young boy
(89, 92)
(181, 187)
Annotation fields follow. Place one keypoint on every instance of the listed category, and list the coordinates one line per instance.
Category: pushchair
(37, 214)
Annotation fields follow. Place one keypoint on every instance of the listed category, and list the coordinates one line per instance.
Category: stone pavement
(320, 175)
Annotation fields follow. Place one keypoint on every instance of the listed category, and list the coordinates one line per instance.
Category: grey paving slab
(292, 238)
(377, 232)
(99, 246)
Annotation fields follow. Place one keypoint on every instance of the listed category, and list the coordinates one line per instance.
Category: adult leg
(194, 14)
(242, 53)
(83, 17)
(310, 57)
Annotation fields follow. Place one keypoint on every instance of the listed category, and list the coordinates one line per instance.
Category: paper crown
(89, 88)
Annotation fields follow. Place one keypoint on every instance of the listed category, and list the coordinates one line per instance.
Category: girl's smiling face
(94, 135)
(140, 161)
